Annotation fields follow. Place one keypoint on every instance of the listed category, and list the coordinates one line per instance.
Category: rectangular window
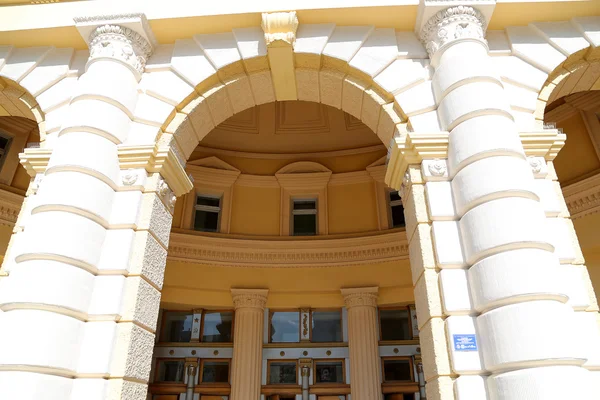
(177, 326)
(217, 326)
(170, 371)
(5, 142)
(394, 324)
(282, 397)
(207, 213)
(283, 373)
(396, 210)
(397, 369)
(399, 396)
(215, 371)
(327, 326)
(284, 327)
(304, 217)
(330, 371)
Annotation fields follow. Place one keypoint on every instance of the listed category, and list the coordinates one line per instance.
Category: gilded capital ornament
(360, 297)
(120, 43)
(249, 298)
(452, 24)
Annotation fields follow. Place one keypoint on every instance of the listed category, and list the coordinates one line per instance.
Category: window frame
(272, 311)
(157, 371)
(294, 212)
(6, 151)
(310, 324)
(201, 333)
(163, 323)
(410, 327)
(286, 360)
(395, 358)
(327, 360)
(201, 373)
(208, 209)
(390, 206)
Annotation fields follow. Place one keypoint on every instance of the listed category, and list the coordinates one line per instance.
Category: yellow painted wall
(589, 240)
(578, 157)
(255, 211)
(352, 208)
(189, 285)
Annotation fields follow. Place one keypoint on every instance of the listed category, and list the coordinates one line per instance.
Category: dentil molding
(583, 197)
(279, 252)
(10, 206)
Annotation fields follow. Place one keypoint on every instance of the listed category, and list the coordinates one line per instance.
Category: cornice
(212, 176)
(152, 158)
(10, 206)
(277, 252)
(292, 156)
(350, 178)
(583, 197)
(260, 181)
(412, 148)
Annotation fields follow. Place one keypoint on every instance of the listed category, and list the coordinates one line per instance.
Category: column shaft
(365, 363)
(246, 365)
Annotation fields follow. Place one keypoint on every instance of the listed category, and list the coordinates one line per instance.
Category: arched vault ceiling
(290, 127)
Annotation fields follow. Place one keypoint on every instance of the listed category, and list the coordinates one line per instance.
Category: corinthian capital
(249, 298)
(360, 297)
(126, 38)
(450, 25)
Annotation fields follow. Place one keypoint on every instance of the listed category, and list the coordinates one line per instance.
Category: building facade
(381, 200)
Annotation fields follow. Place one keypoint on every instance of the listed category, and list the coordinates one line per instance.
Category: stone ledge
(277, 252)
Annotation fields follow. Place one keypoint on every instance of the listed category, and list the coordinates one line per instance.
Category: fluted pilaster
(365, 366)
(247, 343)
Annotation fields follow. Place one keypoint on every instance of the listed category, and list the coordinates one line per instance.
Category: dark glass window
(304, 217)
(394, 324)
(329, 372)
(177, 326)
(215, 371)
(399, 396)
(397, 370)
(282, 372)
(396, 210)
(326, 326)
(216, 326)
(207, 212)
(285, 326)
(4, 146)
(170, 371)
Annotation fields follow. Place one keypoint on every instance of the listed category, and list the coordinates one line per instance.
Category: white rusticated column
(503, 291)
(85, 268)
(246, 363)
(365, 364)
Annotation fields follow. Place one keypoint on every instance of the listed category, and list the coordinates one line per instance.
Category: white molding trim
(583, 197)
(277, 252)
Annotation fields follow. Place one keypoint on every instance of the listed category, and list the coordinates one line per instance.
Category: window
(397, 369)
(304, 217)
(396, 210)
(215, 371)
(282, 397)
(330, 371)
(327, 326)
(400, 396)
(171, 370)
(210, 326)
(283, 373)
(217, 326)
(394, 324)
(285, 326)
(177, 326)
(207, 213)
(5, 142)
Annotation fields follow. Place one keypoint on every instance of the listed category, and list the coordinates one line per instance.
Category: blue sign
(465, 342)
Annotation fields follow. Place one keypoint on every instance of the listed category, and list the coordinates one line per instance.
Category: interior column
(246, 364)
(365, 363)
